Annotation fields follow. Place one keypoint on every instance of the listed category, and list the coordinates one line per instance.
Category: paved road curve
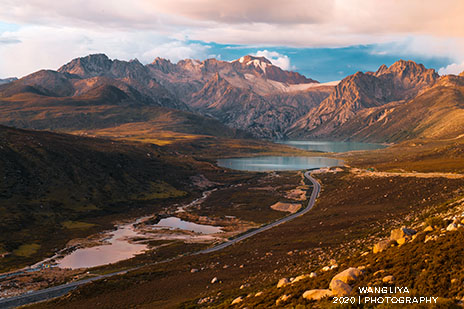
(60, 290)
(312, 200)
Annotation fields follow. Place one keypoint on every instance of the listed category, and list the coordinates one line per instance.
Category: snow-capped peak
(257, 62)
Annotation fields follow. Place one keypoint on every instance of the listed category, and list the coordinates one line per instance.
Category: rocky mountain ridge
(239, 93)
(252, 94)
(363, 93)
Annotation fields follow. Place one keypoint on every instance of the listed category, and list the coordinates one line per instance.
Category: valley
(125, 183)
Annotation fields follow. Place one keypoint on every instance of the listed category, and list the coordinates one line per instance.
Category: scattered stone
(299, 278)
(214, 280)
(401, 232)
(362, 267)
(340, 288)
(378, 272)
(204, 300)
(452, 227)
(430, 238)
(238, 300)
(428, 229)
(454, 280)
(258, 294)
(193, 270)
(282, 299)
(348, 276)
(382, 245)
(401, 241)
(334, 266)
(246, 285)
(312, 275)
(326, 268)
(365, 253)
(388, 279)
(317, 294)
(282, 282)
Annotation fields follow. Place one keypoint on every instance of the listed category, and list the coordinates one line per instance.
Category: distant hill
(50, 178)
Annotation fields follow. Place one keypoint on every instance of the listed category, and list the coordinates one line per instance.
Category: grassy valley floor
(353, 213)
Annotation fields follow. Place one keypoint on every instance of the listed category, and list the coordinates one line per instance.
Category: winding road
(60, 290)
(311, 202)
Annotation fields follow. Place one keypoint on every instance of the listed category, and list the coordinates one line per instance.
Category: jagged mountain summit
(249, 93)
(400, 82)
(394, 103)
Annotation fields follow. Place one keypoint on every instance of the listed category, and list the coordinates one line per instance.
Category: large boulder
(340, 288)
(382, 245)
(317, 294)
(401, 233)
(349, 275)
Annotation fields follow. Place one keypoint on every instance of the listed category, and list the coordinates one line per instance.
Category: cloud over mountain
(141, 28)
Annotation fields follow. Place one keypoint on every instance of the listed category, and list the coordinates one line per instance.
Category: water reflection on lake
(327, 146)
(176, 223)
(277, 163)
(118, 248)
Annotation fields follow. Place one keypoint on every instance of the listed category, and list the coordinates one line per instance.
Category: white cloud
(454, 68)
(175, 51)
(32, 48)
(280, 60)
(51, 30)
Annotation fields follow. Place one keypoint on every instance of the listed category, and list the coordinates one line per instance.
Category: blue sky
(323, 39)
(330, 64)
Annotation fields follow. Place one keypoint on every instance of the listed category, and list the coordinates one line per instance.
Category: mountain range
(250, 94)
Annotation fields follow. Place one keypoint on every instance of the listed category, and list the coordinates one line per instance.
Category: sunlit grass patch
(76, 225)
(26, 250)
(160, 190)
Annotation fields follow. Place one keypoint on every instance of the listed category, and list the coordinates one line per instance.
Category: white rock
(317, 294)
(382, 245)
(282, 282)
(452, 227)
(340, 288)
(349, 275)
(282, 299)
(326, 268)
(312, 275)
(237, 300)
(388, 279)
(214, 280)
(299, 278)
